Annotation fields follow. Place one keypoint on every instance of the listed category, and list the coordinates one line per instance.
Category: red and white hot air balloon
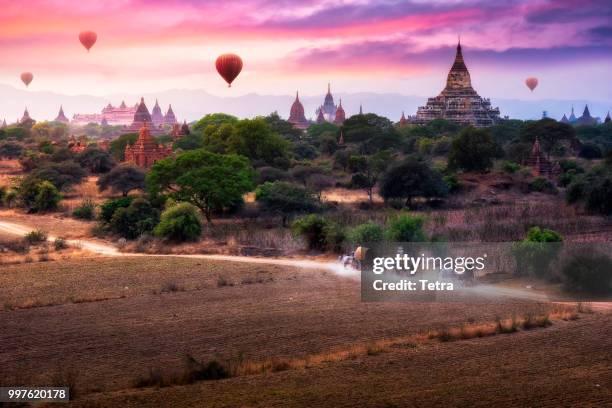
(88, 39)
(531, 83)
(26, 78)
(229, 66)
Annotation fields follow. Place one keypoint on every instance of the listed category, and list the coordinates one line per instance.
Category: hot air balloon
(229, 66)
(531, 83)
(88, 39)
(26, 78)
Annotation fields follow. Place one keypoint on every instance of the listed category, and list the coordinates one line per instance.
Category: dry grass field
(108, 321)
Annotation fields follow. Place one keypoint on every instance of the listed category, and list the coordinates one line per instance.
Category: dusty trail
(106, 249)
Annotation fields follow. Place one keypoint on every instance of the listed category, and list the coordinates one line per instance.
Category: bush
(10, 197)
(85, 211)
(406, 228)
(138, 218)
(537, 251)
(319, 233)
(180, 223)
(108, 208)
(285, 199)
(589, 274)
(35, 237)
(473, 150)
(511, 167)
(59, 244)
(47, 197)
(542, 185)
(590, 151)
(366, 233)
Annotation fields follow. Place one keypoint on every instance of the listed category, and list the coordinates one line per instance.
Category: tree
(549, 132)
(318, 183)
(207, 180)
(301, 173)
(180, 223)
(536, 252)
(594, 188)
(316, 130)
(38, 195)
(473, 150)
(328, 143)
(123, 179)
(283, 127)
(285, 199)
(367, 169)
(304, 151)
(373, 132)
(63, 175)
(255, 139)
(590, 151)
(268, 173)
(134, 220)
(412, 178)
(96, 160)
(215, 119)
(10, 150)
(108, 208)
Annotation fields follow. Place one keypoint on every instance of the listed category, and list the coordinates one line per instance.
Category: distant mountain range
(192, 104)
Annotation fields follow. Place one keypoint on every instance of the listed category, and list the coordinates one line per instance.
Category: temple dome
(340, 116)
(296, 115)
(142, 114)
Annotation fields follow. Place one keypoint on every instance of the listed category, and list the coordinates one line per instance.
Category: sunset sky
(379, 46)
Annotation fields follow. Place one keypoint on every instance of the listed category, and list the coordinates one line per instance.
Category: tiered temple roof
(145, 152)
(586, 119)
(607, 120)
(340, 116)
(61, 117)
(26, 120)
(157, 116)
(329, 108)
(403, 121)
(458, 101)
(169, 118)
(296, 115)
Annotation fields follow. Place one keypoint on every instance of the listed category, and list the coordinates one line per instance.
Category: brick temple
(145, 152)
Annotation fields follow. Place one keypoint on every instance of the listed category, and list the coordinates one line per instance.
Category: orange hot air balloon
(531, 83)
(88, 39)
(26, 78)
(229, 66)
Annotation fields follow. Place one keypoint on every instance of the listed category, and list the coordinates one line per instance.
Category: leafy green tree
(316, 130)
(10, 150)
(412, 178)
(180, 223)
(255, 139)
(473, 150)
(285, 199)
(594, 188)
(96, 160)
(38, 195)
(374, 133)
(328, 143)
(216, 137)
(304, 151)
(138, 218)
(590, 151)
(283, 127)
(589, 273)
(405, 228)
(123, 179)
(549, 132)
(215, 119)
(63, 175)
(207, 180)
(341, 158)
(108, 208)
(367, 170)
(268, 173)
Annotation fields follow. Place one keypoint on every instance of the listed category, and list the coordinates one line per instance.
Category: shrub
(473, 150)
(136, 219)
(535, 253)
(10, 197)
(543, 185)
(85, 211)
(180, 223)
(366, 233)
(320, 234)
(35, 237)
(511, 167)
(47, 197)
(406, 228)
(589, 274)
(3, 191)
(198, 371)
(60, 244)
(285, 199)
(108, 208)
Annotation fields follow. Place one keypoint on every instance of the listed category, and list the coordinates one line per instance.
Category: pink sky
(382, 46)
